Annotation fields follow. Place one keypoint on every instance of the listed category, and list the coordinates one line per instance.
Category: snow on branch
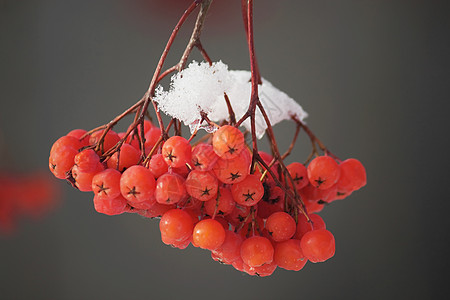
(200, 89)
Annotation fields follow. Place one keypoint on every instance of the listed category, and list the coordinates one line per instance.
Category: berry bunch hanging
(219, 193)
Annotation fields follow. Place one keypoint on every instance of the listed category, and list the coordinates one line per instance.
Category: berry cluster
(24, 195)
(246, 208)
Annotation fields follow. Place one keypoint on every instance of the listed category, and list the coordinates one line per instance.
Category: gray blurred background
(373, 75)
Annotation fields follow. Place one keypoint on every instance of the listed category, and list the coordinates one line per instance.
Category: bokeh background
(373, 75)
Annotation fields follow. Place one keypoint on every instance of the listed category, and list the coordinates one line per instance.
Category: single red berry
(281, 226)
(299, 174)
(231, 171)
(353, 176)
(151, 137)
(137, 184)
(126, 157)
(110, 206)
(256, 251)
(323, 172)
(177, 152)
(87, 160)
(61, 160)
(80, 134)
(208, 234)
(66, 141)
(318, 245)
(157, 165)
(106, 184)
(203, 157)
(288, 255)
(230, 250)
(249, 191)
(176, 225)
(228, 141)
(222, 205)
(110, 140)
(170, 189)
(202, 185)
(83, 180)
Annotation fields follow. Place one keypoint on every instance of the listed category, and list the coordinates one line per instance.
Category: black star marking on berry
(133, 192)
(319, 181)
(231, 149)
(170, 156)
(234, 176)
(240, 218)
(197, 163)
(297, 178)
(206, 191)
(248, 196)
(53, 166)
(102, 188)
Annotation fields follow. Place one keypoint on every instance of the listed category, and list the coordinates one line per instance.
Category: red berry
(176, 151)
(157, 165)
(353, 176)
(176, 225)
(66, 141)
(79, 133)
(87, 160)
(281, 226)
(110, 140)
(288, 255)
(202, 185)
(203, 157)
(299, 174)
(228, 141)
(110, 206)
(230, 250)
(256, 251)
(249, 191)
(83, 180)
(208, 234)
(126, 157)
(222, 205)
(151, 137)
(323, 172)
(318, 245)
(137, 184)
(170, 189)
(230, 171)
(61, 160)
(106, 184)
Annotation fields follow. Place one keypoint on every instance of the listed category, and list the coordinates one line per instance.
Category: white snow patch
(200, 88)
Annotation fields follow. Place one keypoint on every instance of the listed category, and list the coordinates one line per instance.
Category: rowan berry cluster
(220, 193)
(208, 194)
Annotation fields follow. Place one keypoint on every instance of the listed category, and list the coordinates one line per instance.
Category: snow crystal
(200, 89)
